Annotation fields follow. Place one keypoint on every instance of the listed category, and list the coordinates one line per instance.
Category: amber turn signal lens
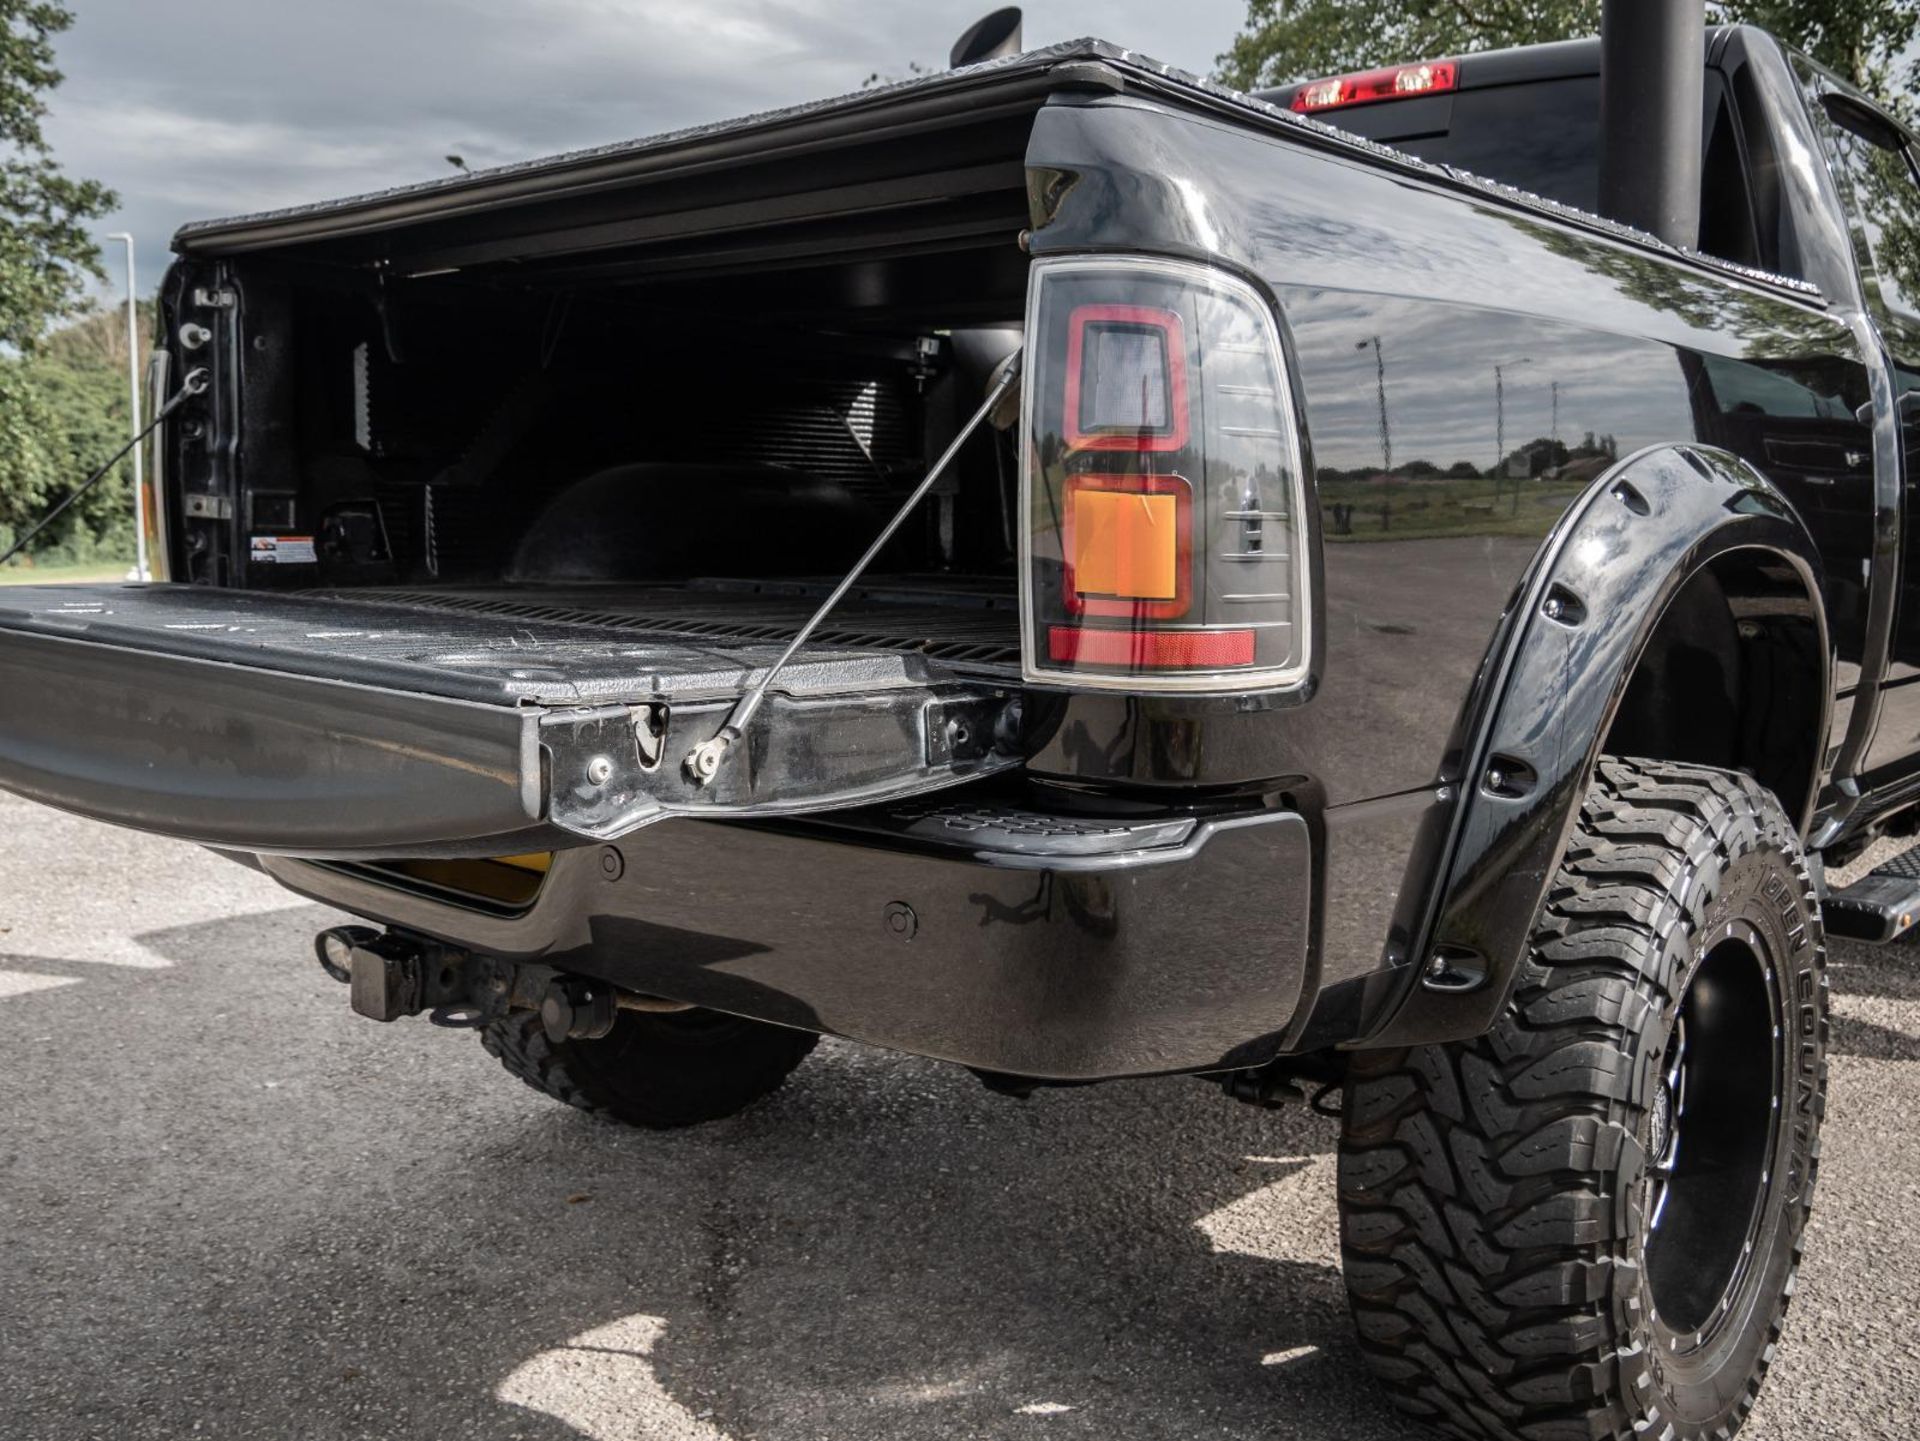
(1125, 544)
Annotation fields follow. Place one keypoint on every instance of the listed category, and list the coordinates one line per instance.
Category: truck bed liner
(494, 651)
(969, 623)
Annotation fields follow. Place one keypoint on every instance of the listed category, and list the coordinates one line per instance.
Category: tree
(63, 411)
(1862, 41)
(1285, 40)
(46, 253)
(62, 400)
(27, 464)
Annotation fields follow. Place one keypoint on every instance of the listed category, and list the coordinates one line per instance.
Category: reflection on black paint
(1874, 172)
(1437, 479)
(1493, 424)
(1795, 420)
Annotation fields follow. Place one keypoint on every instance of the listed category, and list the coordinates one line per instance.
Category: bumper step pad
(1881, 906)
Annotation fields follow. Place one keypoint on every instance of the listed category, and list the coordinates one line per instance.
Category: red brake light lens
(1152, 649)
(1398, 82)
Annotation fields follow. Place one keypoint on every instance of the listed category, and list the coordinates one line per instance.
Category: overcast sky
(201, 108)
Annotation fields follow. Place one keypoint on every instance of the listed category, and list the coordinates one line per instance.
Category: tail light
(1162, 481)
(1400, 82)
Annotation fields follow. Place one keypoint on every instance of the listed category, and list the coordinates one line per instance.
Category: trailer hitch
(390, 974)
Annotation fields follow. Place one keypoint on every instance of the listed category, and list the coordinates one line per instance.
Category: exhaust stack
(988, 38)
(1652, 63)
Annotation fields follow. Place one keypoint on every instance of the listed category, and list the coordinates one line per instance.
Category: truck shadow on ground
(324, 1227)
(1863, 980)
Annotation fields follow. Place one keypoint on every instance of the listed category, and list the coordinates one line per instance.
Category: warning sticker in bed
(283, 550)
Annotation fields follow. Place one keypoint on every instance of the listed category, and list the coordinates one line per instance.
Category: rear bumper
(1144, 950)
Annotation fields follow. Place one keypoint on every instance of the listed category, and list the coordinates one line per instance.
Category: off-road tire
(657, 1071)
(1494, 1194)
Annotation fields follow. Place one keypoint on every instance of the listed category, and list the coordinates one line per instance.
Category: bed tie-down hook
(704, 760)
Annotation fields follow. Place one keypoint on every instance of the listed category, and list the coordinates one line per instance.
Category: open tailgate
(325, 727)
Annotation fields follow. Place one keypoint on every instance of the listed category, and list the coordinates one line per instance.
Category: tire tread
(643, 1075)
(1484, 1258)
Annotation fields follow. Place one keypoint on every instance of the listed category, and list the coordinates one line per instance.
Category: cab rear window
(1542, 136)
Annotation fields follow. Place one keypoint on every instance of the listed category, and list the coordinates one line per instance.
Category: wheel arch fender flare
(1552, 683)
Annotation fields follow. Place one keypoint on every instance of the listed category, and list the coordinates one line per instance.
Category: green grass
(1421, 508)
(64, 574)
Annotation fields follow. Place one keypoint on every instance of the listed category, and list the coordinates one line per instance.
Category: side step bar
(1881, 906)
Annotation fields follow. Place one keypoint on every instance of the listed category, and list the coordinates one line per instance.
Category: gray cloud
(218, 107)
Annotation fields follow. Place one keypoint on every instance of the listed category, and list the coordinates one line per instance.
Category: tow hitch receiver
(390, 974)
(384, 979)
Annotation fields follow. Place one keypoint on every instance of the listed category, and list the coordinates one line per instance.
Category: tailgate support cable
(703, 761)
(193, 383)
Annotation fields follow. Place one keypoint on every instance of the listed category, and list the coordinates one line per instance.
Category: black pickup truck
(1413, 640)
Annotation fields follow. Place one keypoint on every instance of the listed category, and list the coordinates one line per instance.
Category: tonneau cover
(947, 120)
(947, 101)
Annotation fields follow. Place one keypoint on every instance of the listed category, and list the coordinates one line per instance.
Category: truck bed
(970, 623)
(490, 650)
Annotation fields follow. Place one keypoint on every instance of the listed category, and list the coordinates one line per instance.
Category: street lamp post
(133, 413)
(1500, 424)
(1380, 377)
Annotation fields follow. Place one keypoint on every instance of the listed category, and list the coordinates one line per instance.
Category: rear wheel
(654, 1070)
(1586, 1223)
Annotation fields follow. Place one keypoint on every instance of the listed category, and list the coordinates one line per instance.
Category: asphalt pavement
(230, 1208)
